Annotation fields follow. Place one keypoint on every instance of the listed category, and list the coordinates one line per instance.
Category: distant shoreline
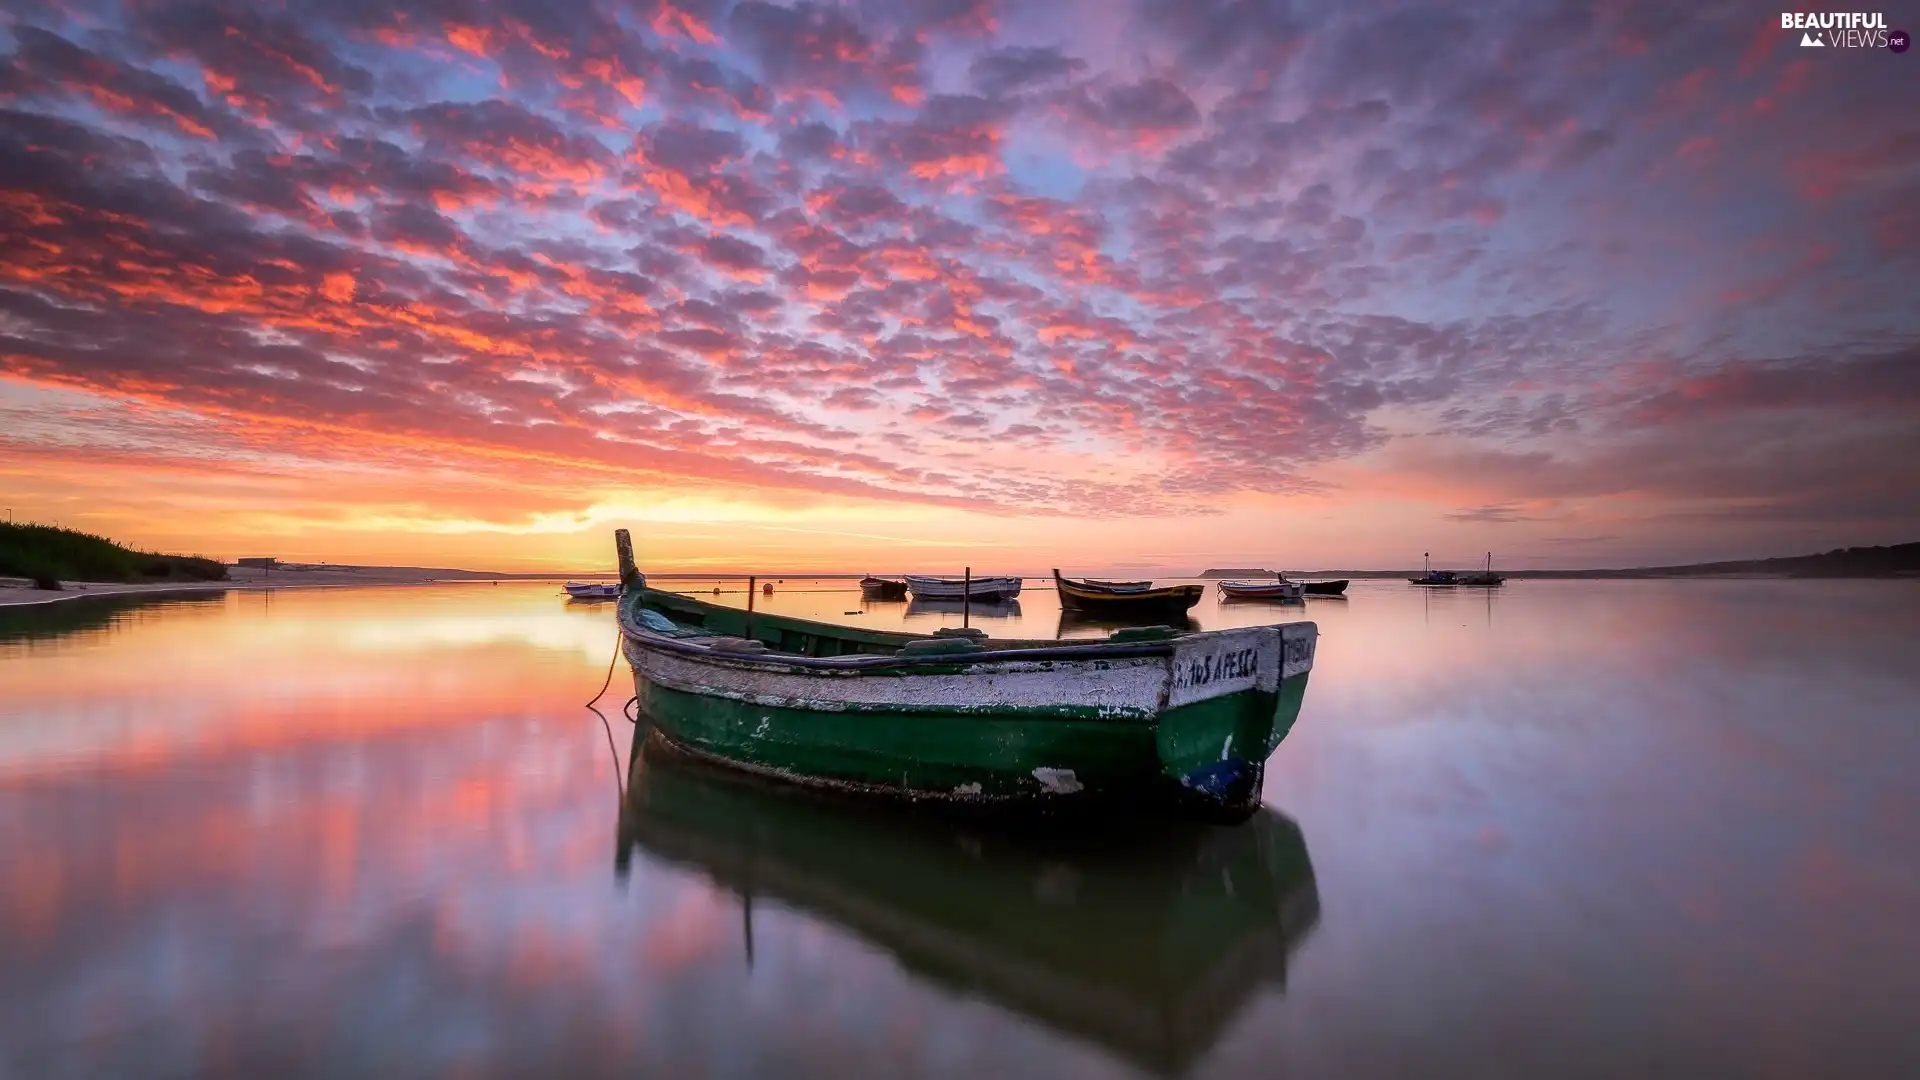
(22, 594)
(1876, 563)
(1585, 575)
(1896, 563)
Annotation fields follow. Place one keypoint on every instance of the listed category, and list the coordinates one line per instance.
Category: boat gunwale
(961, 582)
(1187, 594)
(1093, 651)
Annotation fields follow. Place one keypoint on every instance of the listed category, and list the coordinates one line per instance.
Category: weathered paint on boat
(1262, 590)
(1125, 598)
(1146, 937)
(952, 588)
(1142, 717)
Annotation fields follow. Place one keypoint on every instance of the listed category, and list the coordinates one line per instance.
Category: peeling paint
(765, 722)
(1226, 746)
(1058, 781)
(967, 789)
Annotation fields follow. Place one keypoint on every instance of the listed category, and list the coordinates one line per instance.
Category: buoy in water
(767, 589)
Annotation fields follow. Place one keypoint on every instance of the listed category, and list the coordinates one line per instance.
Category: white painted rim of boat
(1200, 667)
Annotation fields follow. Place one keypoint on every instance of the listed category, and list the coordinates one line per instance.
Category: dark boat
(874, 588)
(1146, 938)
(1125, 598)
(1336, 587)
(1487, 579)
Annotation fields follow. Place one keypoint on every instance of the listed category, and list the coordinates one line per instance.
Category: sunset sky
(911, 284)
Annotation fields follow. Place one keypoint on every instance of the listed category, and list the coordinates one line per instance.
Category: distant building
(257, 564)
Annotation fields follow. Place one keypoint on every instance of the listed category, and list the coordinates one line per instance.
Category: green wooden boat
(1145, 938)
(1148, 717)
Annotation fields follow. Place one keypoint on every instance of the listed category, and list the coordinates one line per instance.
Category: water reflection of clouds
(1672, 808)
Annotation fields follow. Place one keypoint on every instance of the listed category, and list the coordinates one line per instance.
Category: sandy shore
(18, 591)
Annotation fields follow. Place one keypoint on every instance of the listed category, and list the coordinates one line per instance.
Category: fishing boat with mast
(1131, 599)
(1148, 718)
(1431, 578)
(1487, 579)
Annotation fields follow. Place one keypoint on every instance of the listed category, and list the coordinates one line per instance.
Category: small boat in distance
(1438, 579)
(1335, 587)
(1146, 719)
(1284, 591)
(874, 588)
(592, 590)
(1122, 598)
(953, 588)
(1487, 579)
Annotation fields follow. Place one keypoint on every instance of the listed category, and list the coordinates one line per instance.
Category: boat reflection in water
(1146, 936)
(980, 609)
(1074, 623)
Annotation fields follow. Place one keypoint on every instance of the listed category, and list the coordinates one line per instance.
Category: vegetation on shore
(50, 555)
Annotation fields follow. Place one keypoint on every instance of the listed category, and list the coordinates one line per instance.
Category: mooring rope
(618, 786)
(611, 660)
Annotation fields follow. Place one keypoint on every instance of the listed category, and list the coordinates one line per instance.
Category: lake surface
(1565, 829)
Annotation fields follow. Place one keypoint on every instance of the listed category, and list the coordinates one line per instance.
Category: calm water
(1570, 829)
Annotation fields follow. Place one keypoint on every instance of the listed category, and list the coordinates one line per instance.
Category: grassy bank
(50, 555)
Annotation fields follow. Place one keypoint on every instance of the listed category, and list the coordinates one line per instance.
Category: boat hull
(1185, 724)
(1325, 588)
(1126, 600)
(980, 588)
(1284, 591)
(592, 591)
(882, 589)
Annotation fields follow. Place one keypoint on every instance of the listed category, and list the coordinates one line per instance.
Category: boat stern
(1231, 697)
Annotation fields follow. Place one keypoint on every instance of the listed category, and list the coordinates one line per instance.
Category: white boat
(593, 590)
(953, 588)
(1263, 590)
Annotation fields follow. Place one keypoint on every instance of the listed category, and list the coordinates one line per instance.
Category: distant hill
(1898, 560)
(49, 555)
(1236, 573)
